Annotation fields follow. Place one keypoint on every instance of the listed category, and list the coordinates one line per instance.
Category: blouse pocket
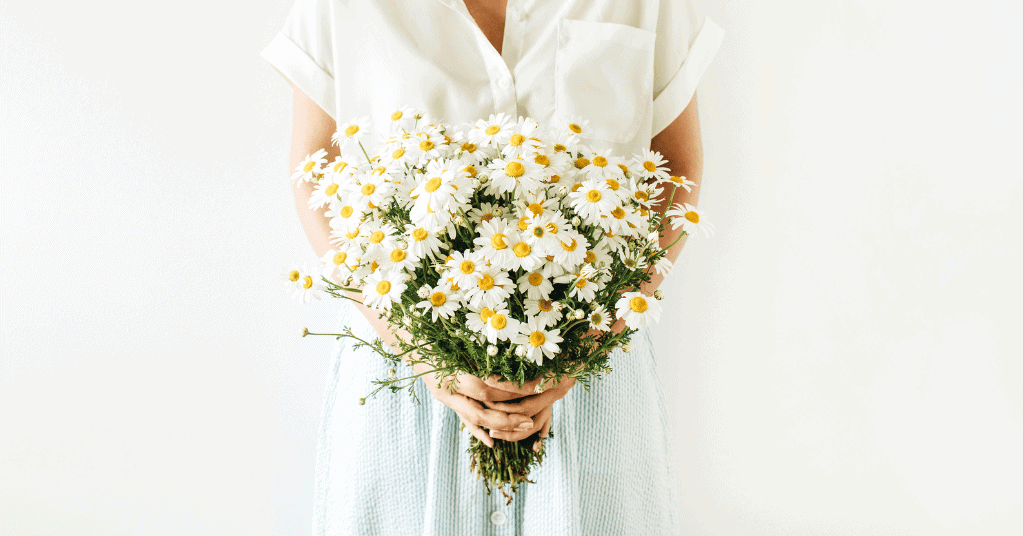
(604, 73)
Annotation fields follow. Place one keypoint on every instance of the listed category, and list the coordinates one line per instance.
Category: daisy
(583, 288)
(441, 301)
(403, 119)
(539, 343)
(465, 268)
(477, 317)
(535, 285)
(599, 319)
(378, 239)
(523, 255)
(500, 326)
(426, 144)
(515, 175)
(544, 310)
(352, 131)
(304, 283)
(649, 162)
(398, 259)
(369, 190)
(663, 266)
(344, 218)
(574, 125)
(493, 243)
(572, 248)
(592, 199)
(687, 216)
(310, 167)
(325, 192)
(523, 141)
(333, 261)
(540, 234)
(493, 287)
(497, 130)
(635, 262)
(604, 166)
(483, 212)
(383, 288)
(681, 181)
(598, 255)
(637, 310)
(423, 244)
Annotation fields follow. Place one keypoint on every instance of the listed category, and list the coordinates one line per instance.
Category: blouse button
(498, 518)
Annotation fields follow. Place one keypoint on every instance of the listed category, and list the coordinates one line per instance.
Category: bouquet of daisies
(503, 247)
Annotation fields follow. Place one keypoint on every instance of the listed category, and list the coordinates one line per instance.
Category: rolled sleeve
(302, 52)
(678, 84)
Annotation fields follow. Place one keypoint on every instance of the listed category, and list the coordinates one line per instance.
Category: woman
(630, 67)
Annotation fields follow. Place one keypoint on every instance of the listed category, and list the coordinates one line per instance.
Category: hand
(538, 406)
(468, 403)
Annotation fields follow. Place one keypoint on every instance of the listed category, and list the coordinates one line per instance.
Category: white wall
(852, 334)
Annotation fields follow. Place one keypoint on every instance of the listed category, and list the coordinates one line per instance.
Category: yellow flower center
(307, 282)
(677, 180)
(467, 267)
(522, 223)
(339, 258)
(544, 305)
(515, 169)
(345, 211)
(486, 313)
(541, 159)
(498, 241)
(468, 147)
(590, 257)
(581, 283)
(351, 130)
(537, 338)
(618, 213)
(433, 184)
(570, 247)
(577, 186)
(487, 217)
(383, 287)
(437, 299)
(398, 153)
(692, 216)
(455, 287)
(498, 321)
(398, 255)
(536, 208)
(613, 184)
(376, 237)
(595, 318)
(426, 145)
(419, 235)
(640, 194)
(352, 234)
(593, 196)
(471, 170)
(638, 304)
(559, 147)
(600, 161)
(575, 128)
(554, 179)
(396, 116)
(368, 189)
(486, 283)
(492, 130)
(309, 166)
(535, 279)
(582, 163)
(521, 249)
(538, 231)
(516, 140)
(331, 189)
(340, 166)
(623, 168)
(649, 166)
(294, 275)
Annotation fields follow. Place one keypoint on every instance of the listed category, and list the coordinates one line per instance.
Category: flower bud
(539, 388)
(626, 347)
(305, 331)
(423, 292)
(576, 221)
(459, 220)
(556, 306)
(498, 212)
(578, 314)
(402, 244)
(563, 191)
(520, 351)
(362, 401)
(492, 350)
(659, 294)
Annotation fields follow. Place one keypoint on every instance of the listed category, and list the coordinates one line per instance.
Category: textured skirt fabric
(395, 467)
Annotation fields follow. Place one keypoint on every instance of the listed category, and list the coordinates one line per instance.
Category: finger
(496, 420)
(545, 428)
(477, 389)
(523, 434)
(477, 432)
(528, 388)
(532, 405)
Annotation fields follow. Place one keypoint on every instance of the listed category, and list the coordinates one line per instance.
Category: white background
(845, 353)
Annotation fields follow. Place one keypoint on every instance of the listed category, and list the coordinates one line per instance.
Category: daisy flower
(681, 181)
(483, 212)
(304, 283)
(325, 192)
(426, 144)
(574, 125)
(649, 162)
(398, 259)
(600, 319)
(598, 255)
(497, 130)
(523, 141)
(515, 175)
(540, 234)
(638, 262)
(344, 218)
(544, 310)
(334, 260)
(663, 266)
(572, 248)
(465, 268)
(492, 288)
(493, 243)
(441, 301)
(535, 285)
(500, 326)
(310, 167)
(403, 119)
(539, 343)
(383, 288)
(582, 288)
(592, 199)
(370, 190)
(687, 216)
(523, 255)
(352, 131)
(422, 243)
(477, 317)
(603, 165)
(378, 239)
(637, 310)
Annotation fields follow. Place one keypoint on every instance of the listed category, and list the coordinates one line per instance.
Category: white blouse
(630, 67)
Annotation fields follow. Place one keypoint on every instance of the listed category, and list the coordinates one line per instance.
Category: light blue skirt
(395, 467)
